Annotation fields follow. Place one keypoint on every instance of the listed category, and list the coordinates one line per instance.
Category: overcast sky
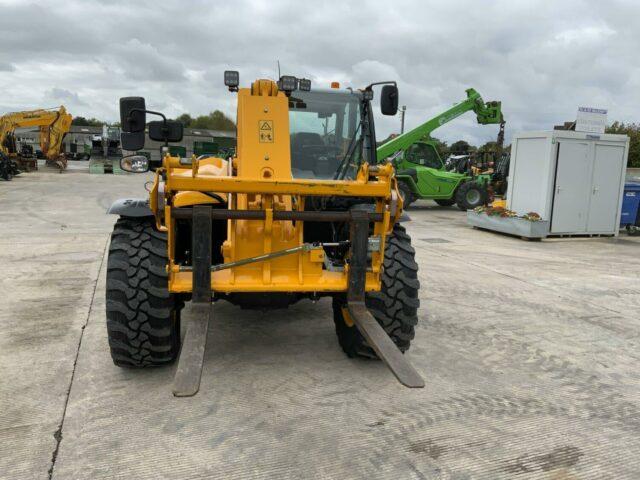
(542, 59)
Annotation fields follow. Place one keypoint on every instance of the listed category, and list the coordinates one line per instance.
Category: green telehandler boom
(420, 170)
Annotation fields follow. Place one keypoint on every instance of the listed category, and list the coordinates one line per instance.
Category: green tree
(489, 146)
(633, 131)
(215, 120)
(460, 148)
(185, 119)
(390, 137)
(441, 147)
(87, 122)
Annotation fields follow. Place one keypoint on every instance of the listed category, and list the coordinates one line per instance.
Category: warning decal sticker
(265, 131)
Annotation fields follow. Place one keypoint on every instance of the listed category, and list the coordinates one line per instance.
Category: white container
(573, 180)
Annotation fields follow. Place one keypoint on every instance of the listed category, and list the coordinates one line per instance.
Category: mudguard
(131, 207)
(408, 172)
(409, 180)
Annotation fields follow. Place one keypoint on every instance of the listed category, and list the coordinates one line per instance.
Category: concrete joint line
(58, 433)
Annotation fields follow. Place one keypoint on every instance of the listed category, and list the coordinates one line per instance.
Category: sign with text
(591, 120)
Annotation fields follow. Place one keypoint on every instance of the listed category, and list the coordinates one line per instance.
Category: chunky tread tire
(395, 306)
(407, 195)
(143, 318)
(461, 196)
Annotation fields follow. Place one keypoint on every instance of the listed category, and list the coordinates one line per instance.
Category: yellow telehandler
(300, 212)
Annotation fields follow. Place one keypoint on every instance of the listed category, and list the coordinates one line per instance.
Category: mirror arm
(151, 112)
(389, 82)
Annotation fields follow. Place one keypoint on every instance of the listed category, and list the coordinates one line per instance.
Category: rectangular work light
(231, 79)
(288, 83)
(304, 84)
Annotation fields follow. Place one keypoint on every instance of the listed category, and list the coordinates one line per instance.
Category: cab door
(428, 163)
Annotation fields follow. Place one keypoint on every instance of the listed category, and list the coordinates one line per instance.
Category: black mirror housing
(132, 120)
(169, 131)
(132, 114)
(389, 100)
(132, 141)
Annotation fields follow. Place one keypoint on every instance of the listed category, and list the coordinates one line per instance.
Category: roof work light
(232, 80)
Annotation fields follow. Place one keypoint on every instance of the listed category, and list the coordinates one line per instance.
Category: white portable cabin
(574, 180)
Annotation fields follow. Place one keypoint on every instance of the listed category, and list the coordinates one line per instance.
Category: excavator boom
(486, 113)
(54, 125)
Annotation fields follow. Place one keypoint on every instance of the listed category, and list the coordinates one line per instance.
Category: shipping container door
(605, 191)
(572, 188)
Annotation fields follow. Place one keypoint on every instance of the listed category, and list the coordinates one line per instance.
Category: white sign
(591, 120)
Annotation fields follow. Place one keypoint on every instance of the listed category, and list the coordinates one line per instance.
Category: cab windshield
(423, 154)
(326, 134)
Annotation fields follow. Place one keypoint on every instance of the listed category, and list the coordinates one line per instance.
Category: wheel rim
(473, 196)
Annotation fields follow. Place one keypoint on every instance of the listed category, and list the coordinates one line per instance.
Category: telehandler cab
(300, 212)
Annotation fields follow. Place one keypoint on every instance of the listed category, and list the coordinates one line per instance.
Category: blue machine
(630, 216)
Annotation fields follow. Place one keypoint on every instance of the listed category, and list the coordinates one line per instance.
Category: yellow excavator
(54, 125)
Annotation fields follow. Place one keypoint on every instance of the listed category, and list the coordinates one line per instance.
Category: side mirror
(132, 114)
(135, 163)
(389, 100)
(169, 131)
(132, 119)
(132, 141)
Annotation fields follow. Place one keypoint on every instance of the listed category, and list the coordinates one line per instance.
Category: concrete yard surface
(529, 350)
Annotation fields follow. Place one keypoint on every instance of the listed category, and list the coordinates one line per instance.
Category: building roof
(188, 132)
(201, 132)
(85, 129)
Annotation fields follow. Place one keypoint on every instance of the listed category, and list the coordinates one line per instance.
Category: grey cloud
(541, 58)
(6, 67)
(143, 62)
(64, 96)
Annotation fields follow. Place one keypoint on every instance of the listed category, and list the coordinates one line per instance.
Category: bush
(633, 131)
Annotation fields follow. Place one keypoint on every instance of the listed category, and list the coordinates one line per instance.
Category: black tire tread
(395, 306)
(461, 195)
(142, 316)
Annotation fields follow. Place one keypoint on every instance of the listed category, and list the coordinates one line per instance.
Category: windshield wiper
(343, 167)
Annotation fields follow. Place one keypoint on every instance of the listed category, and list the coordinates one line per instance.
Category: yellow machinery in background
(53, 125)
(301, 212)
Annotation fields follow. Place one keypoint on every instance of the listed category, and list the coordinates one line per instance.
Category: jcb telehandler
(300, 212)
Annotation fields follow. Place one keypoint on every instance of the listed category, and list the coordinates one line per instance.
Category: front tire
(470, 195)
(143, 318)
(395, 306)
(406, 194)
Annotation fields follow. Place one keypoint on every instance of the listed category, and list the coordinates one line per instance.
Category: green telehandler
(421, 172)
